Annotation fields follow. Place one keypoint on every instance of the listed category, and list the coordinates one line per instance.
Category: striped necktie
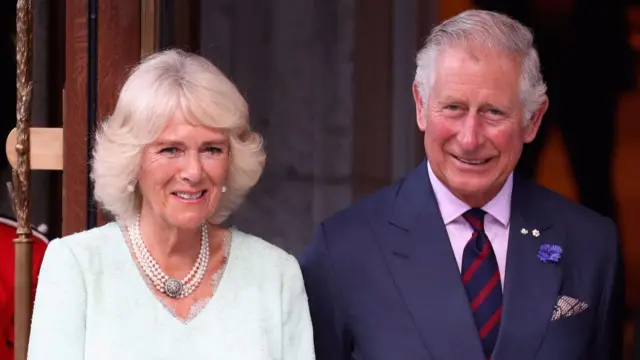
(481, 279)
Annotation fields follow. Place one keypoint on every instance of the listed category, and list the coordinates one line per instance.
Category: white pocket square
(567, 306)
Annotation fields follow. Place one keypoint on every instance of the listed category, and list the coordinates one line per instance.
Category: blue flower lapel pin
(548, 253)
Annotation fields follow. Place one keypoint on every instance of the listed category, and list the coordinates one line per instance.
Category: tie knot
(475, 218)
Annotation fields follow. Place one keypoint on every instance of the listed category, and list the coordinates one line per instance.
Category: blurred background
(329, 86)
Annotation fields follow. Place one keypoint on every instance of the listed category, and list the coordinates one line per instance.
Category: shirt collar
(452, 207)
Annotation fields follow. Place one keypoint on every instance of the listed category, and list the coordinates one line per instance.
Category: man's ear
(420, 111)
(533, 123)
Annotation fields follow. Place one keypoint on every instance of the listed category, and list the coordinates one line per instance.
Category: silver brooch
(173, 288)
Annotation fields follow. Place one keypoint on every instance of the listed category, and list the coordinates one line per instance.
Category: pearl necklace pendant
(173, 288)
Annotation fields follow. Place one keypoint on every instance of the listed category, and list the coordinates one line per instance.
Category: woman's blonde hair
(158, 87)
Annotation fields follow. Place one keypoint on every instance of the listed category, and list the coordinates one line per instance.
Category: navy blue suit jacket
(383, 282)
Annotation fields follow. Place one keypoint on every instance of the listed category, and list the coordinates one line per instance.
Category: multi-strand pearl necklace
(174, 288)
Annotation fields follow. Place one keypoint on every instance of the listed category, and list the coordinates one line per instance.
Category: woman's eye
(214, 150)
(169, 150)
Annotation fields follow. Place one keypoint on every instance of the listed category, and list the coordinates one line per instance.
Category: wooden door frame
(116, 20)
(138, 22)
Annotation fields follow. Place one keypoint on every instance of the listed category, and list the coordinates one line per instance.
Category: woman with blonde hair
(166, 280)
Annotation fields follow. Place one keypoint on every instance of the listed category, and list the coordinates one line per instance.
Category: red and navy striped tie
(481, 279)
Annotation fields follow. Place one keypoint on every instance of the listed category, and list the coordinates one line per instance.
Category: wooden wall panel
(117, 20)
(118, 52)
(75, 109)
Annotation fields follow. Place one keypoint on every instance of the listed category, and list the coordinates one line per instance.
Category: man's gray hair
(490, 30)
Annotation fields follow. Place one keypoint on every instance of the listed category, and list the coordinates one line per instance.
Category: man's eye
(453, 107)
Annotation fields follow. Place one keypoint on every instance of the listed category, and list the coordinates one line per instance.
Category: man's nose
(470, 133)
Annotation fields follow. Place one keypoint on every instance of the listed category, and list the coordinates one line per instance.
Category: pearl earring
(130, 188)
(224, 189)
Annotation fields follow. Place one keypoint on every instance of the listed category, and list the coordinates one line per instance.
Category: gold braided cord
(24, 31)
(23, 245)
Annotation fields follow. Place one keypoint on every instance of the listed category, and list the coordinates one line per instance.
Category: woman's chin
(188, 221)
(178, 217)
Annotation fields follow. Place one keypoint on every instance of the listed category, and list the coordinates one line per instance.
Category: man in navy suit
(462, 260)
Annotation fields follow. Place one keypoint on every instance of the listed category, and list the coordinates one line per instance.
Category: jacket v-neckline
(201, 305)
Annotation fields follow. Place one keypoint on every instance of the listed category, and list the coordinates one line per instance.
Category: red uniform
(7, 280)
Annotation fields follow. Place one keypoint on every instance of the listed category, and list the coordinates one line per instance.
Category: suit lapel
(418, 251)
(531, 286)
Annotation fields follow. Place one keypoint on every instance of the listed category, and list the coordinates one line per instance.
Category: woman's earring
(130, 188)
(224, 189)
